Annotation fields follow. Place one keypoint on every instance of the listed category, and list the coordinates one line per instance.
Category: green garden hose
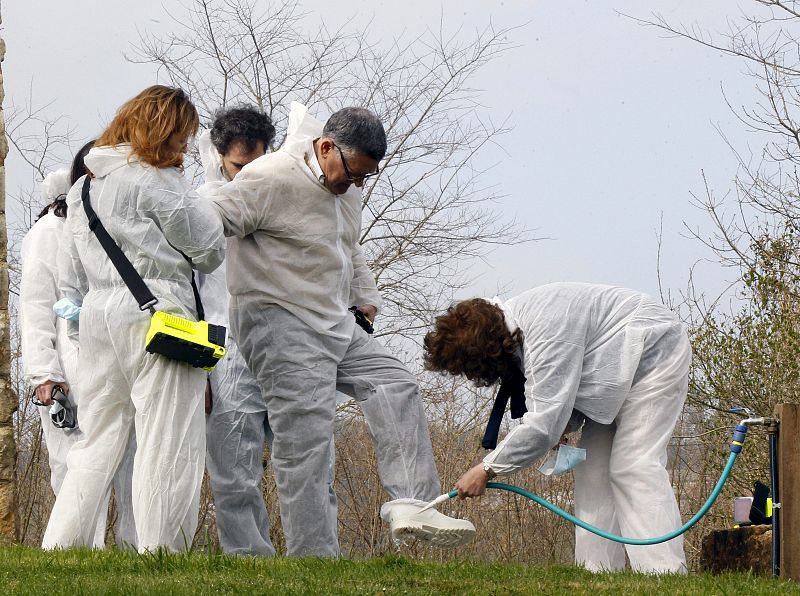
(736, 448)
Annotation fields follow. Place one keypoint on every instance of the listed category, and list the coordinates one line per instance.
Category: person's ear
(325, 147)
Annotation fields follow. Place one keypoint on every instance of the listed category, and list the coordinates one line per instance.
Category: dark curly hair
(472, 339)
(242, 124)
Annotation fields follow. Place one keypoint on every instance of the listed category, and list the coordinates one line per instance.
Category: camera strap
(122, 264)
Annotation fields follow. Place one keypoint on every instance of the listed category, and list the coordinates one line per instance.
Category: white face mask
(563, 460)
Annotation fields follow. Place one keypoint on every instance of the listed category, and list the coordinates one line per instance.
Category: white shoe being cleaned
(407, 523)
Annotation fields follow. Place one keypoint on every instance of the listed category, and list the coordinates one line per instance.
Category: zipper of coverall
(340, 248)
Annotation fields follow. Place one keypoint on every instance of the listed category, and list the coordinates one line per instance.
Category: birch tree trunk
(8, 398)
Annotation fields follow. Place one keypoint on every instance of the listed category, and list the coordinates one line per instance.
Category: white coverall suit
(294, 267)
(159, 223)
(49, 353)
(237, 427)
(622, 360)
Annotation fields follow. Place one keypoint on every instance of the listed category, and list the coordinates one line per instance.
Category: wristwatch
(489, 472)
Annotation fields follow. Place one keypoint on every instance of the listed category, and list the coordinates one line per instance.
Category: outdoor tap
(759, 421)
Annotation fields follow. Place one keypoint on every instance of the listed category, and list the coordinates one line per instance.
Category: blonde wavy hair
(148, 120)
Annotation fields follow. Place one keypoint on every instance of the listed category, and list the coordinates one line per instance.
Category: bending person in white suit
(613, 356)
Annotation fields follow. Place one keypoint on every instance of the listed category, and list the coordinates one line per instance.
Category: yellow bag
(201, 344)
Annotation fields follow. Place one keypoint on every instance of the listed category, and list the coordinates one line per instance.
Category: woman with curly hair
(165, 229)
(613, 357)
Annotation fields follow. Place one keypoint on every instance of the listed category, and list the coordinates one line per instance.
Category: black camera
(62, 413)
(362, 320)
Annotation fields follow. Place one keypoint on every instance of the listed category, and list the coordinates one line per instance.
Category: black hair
(59, 204)
(78, 167)
(242, 124)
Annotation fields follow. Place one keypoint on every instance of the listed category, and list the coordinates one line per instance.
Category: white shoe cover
(430, 526)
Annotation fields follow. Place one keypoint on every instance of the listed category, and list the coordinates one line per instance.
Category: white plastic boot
(407, 523)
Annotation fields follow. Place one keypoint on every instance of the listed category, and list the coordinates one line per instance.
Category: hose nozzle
(438, 501)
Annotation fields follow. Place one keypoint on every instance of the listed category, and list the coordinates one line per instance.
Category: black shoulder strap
(123, 266)
(201, 313)
(129, 275)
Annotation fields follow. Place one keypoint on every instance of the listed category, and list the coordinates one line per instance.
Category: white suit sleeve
(244, 202)
(362, 288)
(38, 293)
(72, 280)
(189, 223)
(553, 370)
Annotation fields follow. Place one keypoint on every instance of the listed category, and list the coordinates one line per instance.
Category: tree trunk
(8, 397)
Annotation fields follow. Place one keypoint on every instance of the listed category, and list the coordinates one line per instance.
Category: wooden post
(8, 397)
(789, 489)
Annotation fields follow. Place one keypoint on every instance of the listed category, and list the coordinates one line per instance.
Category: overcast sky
(612, 122)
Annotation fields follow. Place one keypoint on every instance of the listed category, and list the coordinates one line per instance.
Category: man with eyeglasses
(295, 266)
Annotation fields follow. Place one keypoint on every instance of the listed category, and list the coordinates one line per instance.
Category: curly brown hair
(472, 339)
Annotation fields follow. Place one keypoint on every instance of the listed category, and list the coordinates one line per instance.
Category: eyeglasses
(350, 178)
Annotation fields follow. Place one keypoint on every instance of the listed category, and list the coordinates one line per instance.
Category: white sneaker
(430, 526)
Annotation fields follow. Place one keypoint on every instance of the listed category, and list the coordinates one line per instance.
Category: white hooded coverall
(159, 223)
(237, 426)
(49, 353)
(622, 360)
(294, 267)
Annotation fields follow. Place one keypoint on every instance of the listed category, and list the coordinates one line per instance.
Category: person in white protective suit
(236, 421)
(165, 229)
(295, 266)
(50, 353)
(613, 356)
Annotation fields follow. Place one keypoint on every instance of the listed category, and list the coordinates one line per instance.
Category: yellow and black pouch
(198, 343)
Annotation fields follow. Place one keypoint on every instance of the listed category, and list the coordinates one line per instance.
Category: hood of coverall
(101, 161)
(210, 158)
(56, 184)
(302, 124)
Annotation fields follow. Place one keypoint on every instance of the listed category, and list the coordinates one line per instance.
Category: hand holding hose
(473, 482)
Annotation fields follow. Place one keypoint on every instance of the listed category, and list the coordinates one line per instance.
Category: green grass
(31, 571)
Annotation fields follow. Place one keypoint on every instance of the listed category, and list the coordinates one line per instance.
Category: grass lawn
(31, 571)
